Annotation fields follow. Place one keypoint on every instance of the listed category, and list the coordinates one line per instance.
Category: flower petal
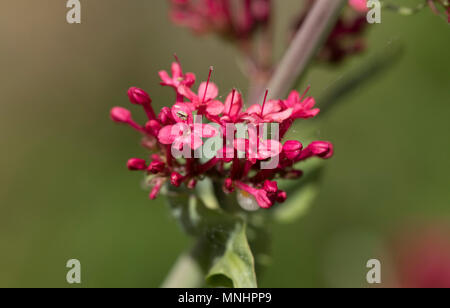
(165, 79)
(165, 135)
(233, 105)
(214, 108)
(279, 116)
(209, 94)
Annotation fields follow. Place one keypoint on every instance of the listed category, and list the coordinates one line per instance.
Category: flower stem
(307, 41)
(186, 273)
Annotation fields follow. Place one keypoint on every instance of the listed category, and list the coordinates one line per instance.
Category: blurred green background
(65, 191)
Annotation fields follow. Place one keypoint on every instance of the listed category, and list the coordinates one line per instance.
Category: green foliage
(222, 249)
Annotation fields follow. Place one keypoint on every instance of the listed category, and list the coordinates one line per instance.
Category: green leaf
(236, 264)
(222, 249)
(301, 195)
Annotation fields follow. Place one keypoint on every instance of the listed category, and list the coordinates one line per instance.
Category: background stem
(307, 41)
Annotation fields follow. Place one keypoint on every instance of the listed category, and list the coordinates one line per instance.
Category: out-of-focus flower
(358, 5)
(422, 258)
(177, 128)
(347, 36)
(235, 21)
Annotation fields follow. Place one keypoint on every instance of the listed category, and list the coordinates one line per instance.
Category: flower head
(239, 162)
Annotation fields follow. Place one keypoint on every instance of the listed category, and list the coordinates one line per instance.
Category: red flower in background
(347, 36)
(422, 258)
(232, 20)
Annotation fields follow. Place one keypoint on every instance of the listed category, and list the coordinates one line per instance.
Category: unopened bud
(136, 164)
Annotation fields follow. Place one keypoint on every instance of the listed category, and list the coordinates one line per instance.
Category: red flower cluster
(235, 21)
(239, 164)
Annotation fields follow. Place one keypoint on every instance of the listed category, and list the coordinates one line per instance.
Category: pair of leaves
(222, 249)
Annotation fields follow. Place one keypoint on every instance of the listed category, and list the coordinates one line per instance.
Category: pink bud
(270, 186)
(322, 149)
(192, 183)
(138, 96)
(153, 127)
(165, 116)
(156, 167)
(156, 188)
(292, 149)
(136, 164)
(176, 179)
(281, 196)
(120, 115)
(228, 186)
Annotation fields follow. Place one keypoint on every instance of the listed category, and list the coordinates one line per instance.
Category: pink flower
(261, 150)
(236, 21)
(260, 195)
(182, 134)
(178, 78)
(302, 108)
(232, 111)
(176, 127)
(271, 112)
(205, 100)
(359, 5)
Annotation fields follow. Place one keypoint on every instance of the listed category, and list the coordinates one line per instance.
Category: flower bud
(292, 149)
(120, 115)
(157, 185)
(271, 186)
(138, 96)
(192, 183)
(152, 127)
(322, 149)
(176, 179)
(165, 116)
(136, 164)
(228, 186)
(156, 167)
(281, 196)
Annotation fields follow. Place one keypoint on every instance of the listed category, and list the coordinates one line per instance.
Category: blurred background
(66, 193)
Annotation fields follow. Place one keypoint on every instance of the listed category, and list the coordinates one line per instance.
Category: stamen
(264, 103)
(232, 100)
(207, 83)
(176, 58)
(304, 93)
